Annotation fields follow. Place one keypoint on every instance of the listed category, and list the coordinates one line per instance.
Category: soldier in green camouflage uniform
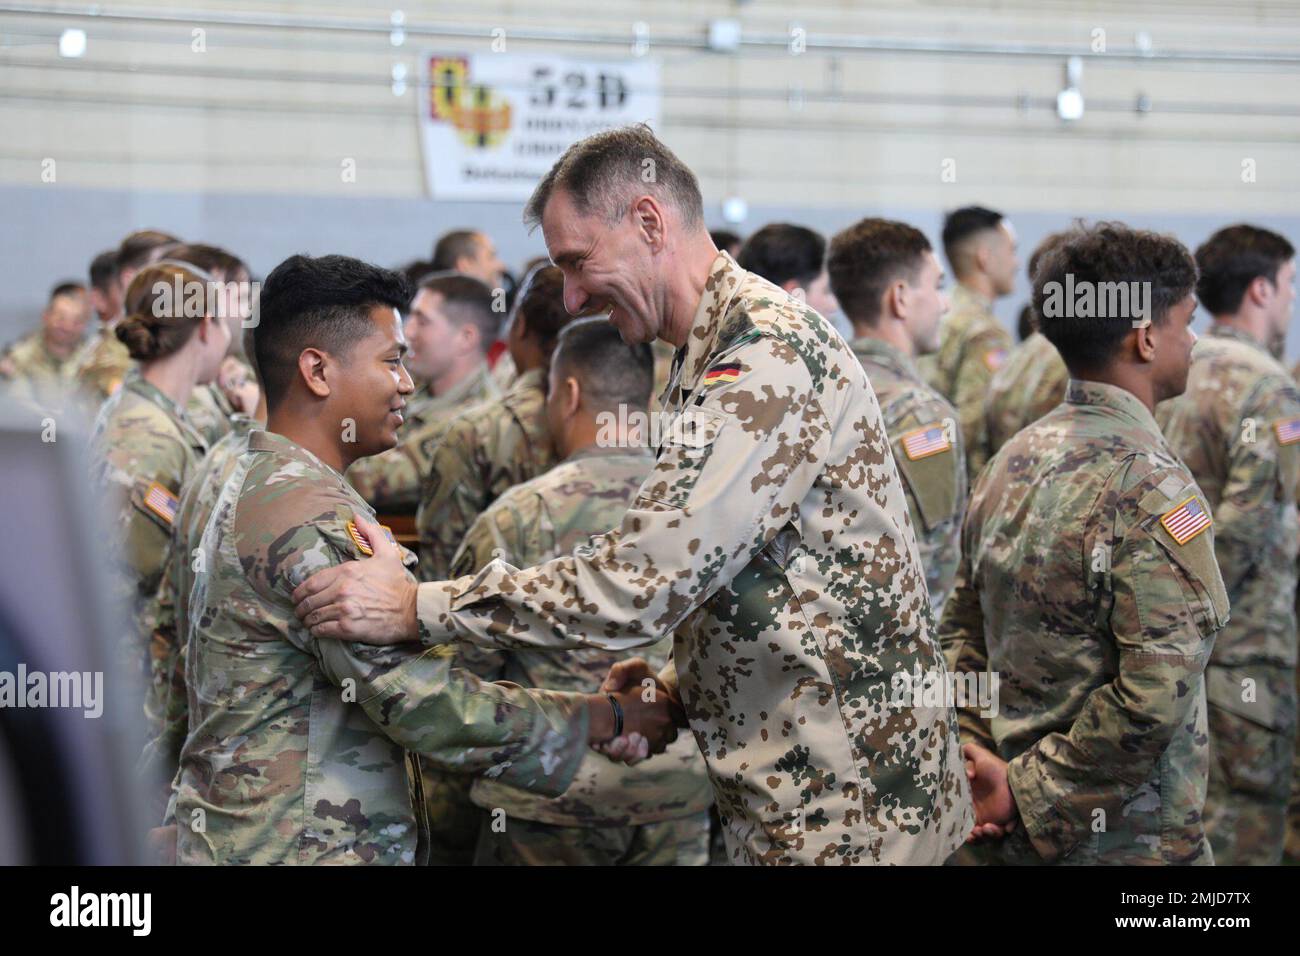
(649, 815)
(1237, 428)
(298, 750)
(41, 367)
(771, 539)
(888, 281)
(1029, 385)
(144, 448)
(484, 451)
(973, 344)
(1088, 588)
(450, 327)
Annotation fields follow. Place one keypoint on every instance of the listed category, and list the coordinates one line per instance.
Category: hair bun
(137, 334)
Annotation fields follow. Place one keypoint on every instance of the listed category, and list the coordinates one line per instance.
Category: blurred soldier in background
(1031, 382)
(652, 814)
(448, 330)
(889, 283)
(106, 364)
(1088, 587)
(981, 249)
(41, 367)
(1237, 427)
(794, 258)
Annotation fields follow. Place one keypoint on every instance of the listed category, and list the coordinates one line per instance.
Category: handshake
(650, 713)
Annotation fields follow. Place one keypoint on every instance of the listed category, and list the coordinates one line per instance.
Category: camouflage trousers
(453, 820)
(1250, 783)
(683, 841)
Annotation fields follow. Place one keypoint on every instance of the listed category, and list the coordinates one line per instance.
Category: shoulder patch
(362, 542)
(1288, 431)
(161, 502)
(1187, 520)
(994, 358)
(722, 373)
(926, 441)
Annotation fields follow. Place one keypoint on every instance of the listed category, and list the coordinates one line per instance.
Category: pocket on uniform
(687, 446)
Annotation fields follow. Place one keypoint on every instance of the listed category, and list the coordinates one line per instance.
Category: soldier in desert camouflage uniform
(1088, 589)
(41, 367)
(105, 364)
(482, 452)
(888, 281)
(450, 327)
(297, 750)
(1031, 382)
(653, 814)
(145, 447)
(1237, 428)
(981, 249)
(771, 539)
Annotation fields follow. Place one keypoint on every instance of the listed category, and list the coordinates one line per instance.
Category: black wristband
(618, 715)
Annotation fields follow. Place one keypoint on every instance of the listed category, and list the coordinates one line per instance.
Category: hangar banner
(492, 124)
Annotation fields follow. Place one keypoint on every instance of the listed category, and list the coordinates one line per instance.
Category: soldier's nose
(574, 299)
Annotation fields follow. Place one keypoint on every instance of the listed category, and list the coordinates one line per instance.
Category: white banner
(492, 124)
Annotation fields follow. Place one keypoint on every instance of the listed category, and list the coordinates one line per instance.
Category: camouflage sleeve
(961, 634)
(452, 497)
(1263, 465)
(969, 390)
(534, 739)
(1168, 604)
(493, 535)
(732, 470)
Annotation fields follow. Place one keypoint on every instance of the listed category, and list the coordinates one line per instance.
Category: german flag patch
(1186, 521)
(722, 374)
(362, 542)
(161, 502)
(1288, 432)
(924, 442)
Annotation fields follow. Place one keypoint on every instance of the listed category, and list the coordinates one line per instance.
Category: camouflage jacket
(972, 346)
(586, 494)
(168, 698)
(144, 448)
(1237, 427)
(926, 442)
(105, 365)
(1088, 590)
(1028, 385)
(475, 458)
(772, 541)
(297, 749)
(39, 376)
(211, 412)
(391, 481)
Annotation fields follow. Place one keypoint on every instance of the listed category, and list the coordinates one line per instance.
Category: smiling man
(298, 750)
(770, 539)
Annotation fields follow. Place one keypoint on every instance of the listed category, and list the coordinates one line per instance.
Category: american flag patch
(722, 373)
(1187, 520)
(1288, 432)
(924, 442)
(362, 542)
(161, 502)
(994, 358)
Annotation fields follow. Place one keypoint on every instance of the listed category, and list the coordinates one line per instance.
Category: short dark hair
(318, 303)
(214, 260)
(780, 252)
(137, 249)
(67, 287)
(725, 238)
(1109, 252)
(601, 171)
(540, 306)
(466, 301)
(868, 257)
(1233, 258)
(103, 270)
(610, 371)
(453, 246)
(416, 270)
(961, 226)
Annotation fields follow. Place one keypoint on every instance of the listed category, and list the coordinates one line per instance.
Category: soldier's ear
(312, 364)
(1144, 344)
(648, 216)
